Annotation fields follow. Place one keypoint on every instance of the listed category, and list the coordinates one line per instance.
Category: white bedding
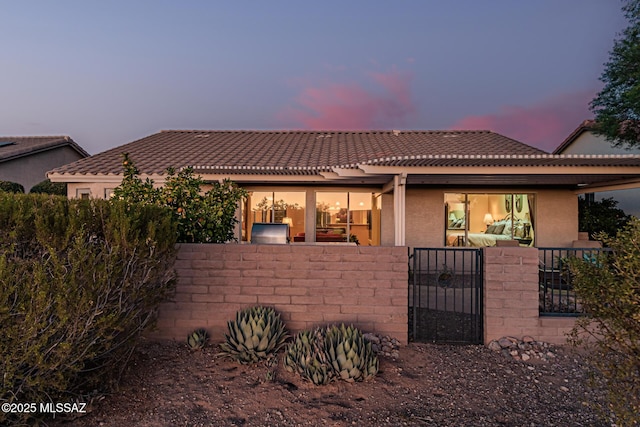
(481, 239)
(478, 239)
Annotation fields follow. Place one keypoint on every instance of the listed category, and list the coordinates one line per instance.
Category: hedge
(79, 282)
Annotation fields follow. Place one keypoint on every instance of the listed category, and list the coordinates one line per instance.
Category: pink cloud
(544, 125)
(352, 106)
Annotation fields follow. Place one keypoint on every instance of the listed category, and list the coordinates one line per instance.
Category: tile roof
(12, 147)
(291, 152)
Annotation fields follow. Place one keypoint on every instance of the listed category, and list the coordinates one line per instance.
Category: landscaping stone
(527, 349)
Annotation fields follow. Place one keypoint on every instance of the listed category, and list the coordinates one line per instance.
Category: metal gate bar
(445, 295)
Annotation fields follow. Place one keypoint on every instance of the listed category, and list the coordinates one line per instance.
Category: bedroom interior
(479, 220)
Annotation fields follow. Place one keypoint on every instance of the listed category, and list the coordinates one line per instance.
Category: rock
(523, 350)
(505, 342)
(384, 345)
(494, 346)
(372, 338)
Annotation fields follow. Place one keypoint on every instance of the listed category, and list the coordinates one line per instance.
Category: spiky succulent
(305, 355)
(256, 334)
(332, 352)
(197, 339)
(349, 353)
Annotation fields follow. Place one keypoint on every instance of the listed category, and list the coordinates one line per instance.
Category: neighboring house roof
(585, 126)
(12, 147)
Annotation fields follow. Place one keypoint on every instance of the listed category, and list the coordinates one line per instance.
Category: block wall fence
(313, 285)
(511, 298)
(309, 285)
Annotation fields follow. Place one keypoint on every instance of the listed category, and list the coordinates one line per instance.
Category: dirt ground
(435, 385)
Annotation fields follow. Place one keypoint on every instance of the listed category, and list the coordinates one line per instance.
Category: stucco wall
(32, 169)
(556, 219)
(588, 143)
(424, 215)
(308, 284)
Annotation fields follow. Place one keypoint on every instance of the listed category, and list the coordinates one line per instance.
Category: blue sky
(109, 72)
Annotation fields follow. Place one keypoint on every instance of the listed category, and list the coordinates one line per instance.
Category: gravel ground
(431, 385)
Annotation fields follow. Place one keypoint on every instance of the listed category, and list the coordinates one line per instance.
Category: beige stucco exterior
(556, 216)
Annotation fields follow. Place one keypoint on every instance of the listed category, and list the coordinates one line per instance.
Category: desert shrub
(609, 290)
(201, 217)
(79, 281)
(48, 187)
(11, 187)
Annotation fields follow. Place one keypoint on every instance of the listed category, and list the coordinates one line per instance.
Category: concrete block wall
(309, 285)
(511, 298)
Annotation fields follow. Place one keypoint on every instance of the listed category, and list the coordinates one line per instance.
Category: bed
(499, 230)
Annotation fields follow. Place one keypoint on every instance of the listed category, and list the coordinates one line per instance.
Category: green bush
(601, 216)
(201, 217)
(48, 187)
(609, 290)
(79, 281)
(11, 187)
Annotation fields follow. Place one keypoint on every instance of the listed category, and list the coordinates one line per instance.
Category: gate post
(510, 292)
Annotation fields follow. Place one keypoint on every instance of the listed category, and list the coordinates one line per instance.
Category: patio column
(399, 182)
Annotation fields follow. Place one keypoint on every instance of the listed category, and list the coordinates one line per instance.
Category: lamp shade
(452, 217)
(488, 219)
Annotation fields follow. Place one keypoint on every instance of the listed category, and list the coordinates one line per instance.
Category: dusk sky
(109, 72)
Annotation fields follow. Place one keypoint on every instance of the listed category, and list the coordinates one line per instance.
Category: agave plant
(305, 355)
(332, 352)
(349, 353)
(256, 334)
(197, 339)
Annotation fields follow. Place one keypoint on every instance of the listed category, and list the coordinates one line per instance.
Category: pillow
(499, 228)
(507, 228)
(490, 229)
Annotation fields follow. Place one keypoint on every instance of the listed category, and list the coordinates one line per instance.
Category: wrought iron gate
(445, 295)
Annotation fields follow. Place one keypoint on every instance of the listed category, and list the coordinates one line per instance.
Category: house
(26, 159)
(584, 141)
(402, 188)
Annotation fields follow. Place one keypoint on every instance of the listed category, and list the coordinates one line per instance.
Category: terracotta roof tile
(295, 150)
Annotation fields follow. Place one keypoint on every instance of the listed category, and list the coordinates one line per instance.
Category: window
(108, 193)
(348, 217)
(287, 207)
(482, 219)
(83, 193)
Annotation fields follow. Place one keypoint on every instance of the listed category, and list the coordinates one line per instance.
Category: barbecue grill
(270, 232)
